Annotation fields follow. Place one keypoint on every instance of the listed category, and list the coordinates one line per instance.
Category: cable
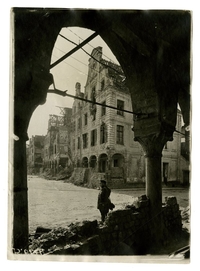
(82, 71)
(78, 60)
(74, 50)
(181, 133)
(106, 65)
(91, 46)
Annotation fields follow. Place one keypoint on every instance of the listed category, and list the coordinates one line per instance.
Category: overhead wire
(91, 46)
(104, 104)
(78, 69)
(81, 63)
(106, 65)
(95, 60)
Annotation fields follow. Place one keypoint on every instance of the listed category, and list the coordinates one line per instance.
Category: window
(78, 143)
(93, 106)
(102, 84)
(103, 133)
(79, 123)
(93, 137)
(85, 140)
(85, 119)
(120, 106)
(103, 109)
(120, 134)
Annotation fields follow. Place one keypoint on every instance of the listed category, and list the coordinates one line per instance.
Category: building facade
(96, 136)
(35, 154)
(102, 139)
(57, 153)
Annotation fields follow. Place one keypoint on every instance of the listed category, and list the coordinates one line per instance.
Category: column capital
(153, 144)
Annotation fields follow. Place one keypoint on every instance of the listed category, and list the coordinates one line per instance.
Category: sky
(66, 74)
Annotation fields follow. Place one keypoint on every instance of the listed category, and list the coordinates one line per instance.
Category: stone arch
(149, 51)
(93, 161)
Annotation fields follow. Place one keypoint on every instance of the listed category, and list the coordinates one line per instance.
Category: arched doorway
(85, 162)
(103, 162)
(93, 161)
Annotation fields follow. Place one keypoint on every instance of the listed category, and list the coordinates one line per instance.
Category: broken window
(120, 134)
(94, 137)
(120, 106)
(85, 140)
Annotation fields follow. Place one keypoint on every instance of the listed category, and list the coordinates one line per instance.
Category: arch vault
(153, 49)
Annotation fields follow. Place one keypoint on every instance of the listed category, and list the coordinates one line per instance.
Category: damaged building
(96, 136)
(35, 154)
(57, 153)
(102, 133)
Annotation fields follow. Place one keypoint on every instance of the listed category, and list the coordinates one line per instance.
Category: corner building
(102, 140)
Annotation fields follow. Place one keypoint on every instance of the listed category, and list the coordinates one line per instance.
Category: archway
(85, 162)
(103, 162)
(146, 44)
(93, 161)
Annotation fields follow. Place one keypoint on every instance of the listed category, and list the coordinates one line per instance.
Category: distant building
(35, 154)
(101, 137)
(57, 153)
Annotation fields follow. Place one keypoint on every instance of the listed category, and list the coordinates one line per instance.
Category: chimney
(78, 89)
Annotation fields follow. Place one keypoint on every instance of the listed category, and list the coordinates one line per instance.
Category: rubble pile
(172, 215)
(125, 232)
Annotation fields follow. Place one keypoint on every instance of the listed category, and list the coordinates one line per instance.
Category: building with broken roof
(35, 154)
(57, 153)
(102, 137)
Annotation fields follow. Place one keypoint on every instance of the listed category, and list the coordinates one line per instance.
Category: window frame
(119, 112)
(120, 135)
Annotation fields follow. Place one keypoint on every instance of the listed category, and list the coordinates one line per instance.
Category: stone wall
(125, 232)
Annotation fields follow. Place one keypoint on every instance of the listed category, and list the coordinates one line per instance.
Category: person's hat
(103, 181)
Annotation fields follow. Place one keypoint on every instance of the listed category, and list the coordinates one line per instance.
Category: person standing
(104, 203)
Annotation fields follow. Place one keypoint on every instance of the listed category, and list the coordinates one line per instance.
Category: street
(57, 204)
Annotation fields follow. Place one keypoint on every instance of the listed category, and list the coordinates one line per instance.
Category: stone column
(152, 145)
(20, 197)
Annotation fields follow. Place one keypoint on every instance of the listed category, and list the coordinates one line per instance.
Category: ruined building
(35, 154)
(102, 142)
(97, 140)
(56, 144)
